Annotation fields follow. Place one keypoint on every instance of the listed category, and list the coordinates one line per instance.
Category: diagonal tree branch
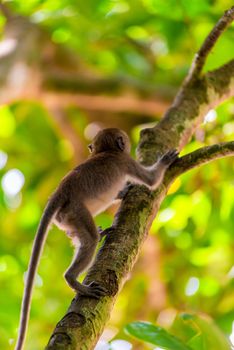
(85, 319)
(201, 55)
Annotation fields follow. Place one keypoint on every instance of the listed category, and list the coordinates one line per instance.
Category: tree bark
(85, 319)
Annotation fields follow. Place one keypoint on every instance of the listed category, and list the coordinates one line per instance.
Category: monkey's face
(111, 139)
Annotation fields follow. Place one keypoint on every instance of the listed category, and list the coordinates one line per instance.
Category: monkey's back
(96, 182)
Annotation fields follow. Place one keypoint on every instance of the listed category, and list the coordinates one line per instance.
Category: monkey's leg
(84, 230)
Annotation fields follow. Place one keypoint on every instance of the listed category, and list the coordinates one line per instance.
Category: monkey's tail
(50, 210)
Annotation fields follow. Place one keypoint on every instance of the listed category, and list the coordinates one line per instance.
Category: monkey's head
(111, 139)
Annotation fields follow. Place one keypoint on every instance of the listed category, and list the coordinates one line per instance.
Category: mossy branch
(199, 157)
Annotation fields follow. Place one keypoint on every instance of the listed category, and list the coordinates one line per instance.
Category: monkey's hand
(169, 157)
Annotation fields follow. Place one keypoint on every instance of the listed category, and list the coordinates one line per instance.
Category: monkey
(84, 192)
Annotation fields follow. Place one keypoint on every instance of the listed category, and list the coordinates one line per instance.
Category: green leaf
(155, 335)
(200, 332)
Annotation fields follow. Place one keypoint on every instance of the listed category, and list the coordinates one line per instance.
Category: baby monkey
(83, 193)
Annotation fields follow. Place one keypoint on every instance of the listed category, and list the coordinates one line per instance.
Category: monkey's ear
(90, 147)
(120, 143)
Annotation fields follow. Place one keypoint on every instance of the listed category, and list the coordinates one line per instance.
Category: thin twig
(201, 55)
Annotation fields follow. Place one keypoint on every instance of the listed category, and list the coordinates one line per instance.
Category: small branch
(115, 104)
(95, 103)
(199, 157)
(201, 55)
(85, 81)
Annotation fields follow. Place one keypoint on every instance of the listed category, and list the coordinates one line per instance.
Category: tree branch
(199, 157)
(190, 106)
(193, 101)
(115, 104)
(201, 55)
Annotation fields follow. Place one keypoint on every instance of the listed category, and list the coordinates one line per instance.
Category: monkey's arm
(152, 176)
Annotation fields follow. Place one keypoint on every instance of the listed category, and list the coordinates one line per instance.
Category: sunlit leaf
(155, 335)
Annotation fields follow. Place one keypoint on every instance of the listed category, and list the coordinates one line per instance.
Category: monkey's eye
(90, 147)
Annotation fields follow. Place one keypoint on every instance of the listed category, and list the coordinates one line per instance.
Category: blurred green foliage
(152, 41)
(149, 40)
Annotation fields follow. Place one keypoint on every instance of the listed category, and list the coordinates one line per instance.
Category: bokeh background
(67, 69)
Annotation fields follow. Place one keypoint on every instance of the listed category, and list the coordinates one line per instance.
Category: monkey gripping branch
(85, 319)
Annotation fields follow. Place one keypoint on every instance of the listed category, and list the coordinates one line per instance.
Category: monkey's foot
(100, 230)
(93, 290)
(105, 232)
